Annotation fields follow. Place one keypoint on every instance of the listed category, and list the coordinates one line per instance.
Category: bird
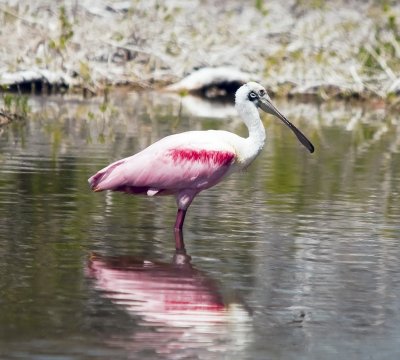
(184, 164)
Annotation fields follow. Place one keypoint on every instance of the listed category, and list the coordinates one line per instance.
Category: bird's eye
(252, 96)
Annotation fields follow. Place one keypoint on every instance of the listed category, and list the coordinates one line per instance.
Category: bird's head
(256, 94)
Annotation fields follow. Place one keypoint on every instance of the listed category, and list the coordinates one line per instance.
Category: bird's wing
(192, 160)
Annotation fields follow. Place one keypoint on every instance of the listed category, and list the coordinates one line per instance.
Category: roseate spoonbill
(185, 164)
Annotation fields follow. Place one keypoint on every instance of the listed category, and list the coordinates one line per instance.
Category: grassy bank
(295, 47)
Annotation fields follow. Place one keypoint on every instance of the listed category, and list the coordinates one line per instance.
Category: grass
(313, 45)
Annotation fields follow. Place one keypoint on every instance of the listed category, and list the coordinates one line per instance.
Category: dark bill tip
(267, 106)
(302, 138)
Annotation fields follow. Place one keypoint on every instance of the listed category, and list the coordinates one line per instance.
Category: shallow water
(297, 258)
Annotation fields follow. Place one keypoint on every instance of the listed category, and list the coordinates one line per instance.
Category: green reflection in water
(251, 232)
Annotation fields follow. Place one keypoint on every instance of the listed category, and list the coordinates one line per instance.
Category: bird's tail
(103, 179)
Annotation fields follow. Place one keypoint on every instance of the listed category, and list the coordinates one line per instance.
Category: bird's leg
(180, 218)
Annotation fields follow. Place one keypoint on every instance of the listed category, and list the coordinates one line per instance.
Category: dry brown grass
(296, 47)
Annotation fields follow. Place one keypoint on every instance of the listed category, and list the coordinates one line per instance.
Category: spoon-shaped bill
(267, 106)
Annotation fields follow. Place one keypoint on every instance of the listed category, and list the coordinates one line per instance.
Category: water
(298, 258)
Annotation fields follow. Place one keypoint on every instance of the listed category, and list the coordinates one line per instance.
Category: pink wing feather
(166, 167)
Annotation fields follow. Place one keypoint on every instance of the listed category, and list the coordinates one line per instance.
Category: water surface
(297, 258)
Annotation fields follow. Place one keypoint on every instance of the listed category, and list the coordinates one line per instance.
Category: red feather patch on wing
(204, 156)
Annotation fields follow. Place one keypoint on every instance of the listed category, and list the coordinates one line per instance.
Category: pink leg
(180, 218)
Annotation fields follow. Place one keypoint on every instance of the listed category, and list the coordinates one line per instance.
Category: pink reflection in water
(181, 303)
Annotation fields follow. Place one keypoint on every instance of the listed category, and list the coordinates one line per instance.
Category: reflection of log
(212, 82)
(36, 80)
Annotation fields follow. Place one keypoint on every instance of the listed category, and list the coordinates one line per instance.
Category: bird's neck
(256, 139)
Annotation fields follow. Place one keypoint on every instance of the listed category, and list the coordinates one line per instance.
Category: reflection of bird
(187, 163)
(171, 293)
(181, 309)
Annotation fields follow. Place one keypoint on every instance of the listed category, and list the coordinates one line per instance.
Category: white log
(209, 77)
(44, 76)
